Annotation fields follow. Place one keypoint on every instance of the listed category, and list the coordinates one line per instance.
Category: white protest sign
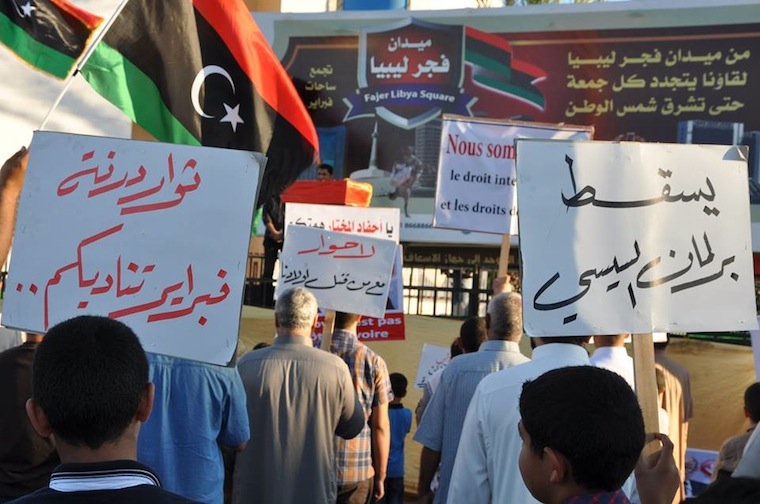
(155, 235)
(433, 359)
(349, 273)
(477, 183)
(379, 222)
(634, 237)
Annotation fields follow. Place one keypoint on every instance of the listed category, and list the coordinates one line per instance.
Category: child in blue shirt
(401, 423)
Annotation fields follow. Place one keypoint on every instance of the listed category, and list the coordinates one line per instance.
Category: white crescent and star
(233, 113)
(24, 10)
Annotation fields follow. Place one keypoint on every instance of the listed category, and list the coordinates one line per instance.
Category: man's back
(486, 467)
(441, 426)
(298, 398)
(197, 406)
(26, 459)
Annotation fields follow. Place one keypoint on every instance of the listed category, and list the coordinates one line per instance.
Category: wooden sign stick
(646, 384)
(327, 329)
(506, 241)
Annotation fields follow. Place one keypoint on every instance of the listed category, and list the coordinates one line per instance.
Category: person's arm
(275, 233)
(381, 446)
(429, 462)
(11, 181)
(427, 394)
(469, 478)
(352, 419)
(235, 430)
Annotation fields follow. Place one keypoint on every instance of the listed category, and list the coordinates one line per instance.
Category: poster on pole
(155, 235)
(349, 273)
(477, 182)
(379, 222)
(634, 237)
(433, 359)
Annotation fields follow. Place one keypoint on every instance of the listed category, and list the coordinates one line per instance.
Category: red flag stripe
(235, 25)
(89, 19)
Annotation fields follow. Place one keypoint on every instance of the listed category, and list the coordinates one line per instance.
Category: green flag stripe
(33, 52)
(510, 88)
(488, 63)
(117, 80)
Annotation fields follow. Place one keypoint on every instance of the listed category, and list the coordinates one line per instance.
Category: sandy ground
(719, 372)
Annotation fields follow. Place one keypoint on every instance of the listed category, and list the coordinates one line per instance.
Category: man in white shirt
(486, 467)
(611, 354)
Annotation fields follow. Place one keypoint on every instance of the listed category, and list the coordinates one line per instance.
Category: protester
(26, 459)
(90, 394)
(677, 402)
(487, 471)
(299, 398)
(610, 353)
(274, 236)
(582, 433)
(197, 408)
(401, 423)
(362, 462)
(441, 425)
(324, 172)
(731, 451)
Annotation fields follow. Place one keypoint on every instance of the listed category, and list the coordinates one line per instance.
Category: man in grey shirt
(442, 422)
(298, 399)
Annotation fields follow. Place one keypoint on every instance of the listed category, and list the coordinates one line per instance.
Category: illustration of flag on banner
(48, 34)
(495, 67)
(200, 72)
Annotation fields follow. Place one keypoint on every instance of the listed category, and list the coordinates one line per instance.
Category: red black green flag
(47, 34)
(494, 66)
(200, 72)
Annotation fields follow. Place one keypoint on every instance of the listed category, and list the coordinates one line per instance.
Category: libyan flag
(48, 34)
(200, 72)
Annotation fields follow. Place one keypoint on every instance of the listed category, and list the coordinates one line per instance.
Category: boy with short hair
(401, 423)
(90, 393)
(582, 433)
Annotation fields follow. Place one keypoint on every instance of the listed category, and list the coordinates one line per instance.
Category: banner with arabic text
(634, 237)
(349, 273)
(379, 222)
(377, 91)
(131, 230)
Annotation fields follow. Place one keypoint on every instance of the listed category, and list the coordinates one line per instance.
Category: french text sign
(349, 273)
(634, 237)
(379, 222)
(155, 235)
(476, 171)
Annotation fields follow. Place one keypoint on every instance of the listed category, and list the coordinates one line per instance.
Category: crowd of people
(87, 416)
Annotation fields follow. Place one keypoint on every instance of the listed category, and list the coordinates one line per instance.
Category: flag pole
(82, 60)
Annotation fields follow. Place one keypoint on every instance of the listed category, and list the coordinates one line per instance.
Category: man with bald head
(441, 424)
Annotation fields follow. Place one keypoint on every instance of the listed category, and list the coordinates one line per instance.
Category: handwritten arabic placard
(477, 183)
(133, 230)
(349, 273)
(433, 359)
(379, 222)
(634, 237)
